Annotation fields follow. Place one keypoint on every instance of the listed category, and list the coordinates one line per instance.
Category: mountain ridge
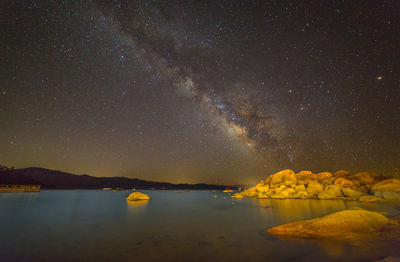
(55, 179)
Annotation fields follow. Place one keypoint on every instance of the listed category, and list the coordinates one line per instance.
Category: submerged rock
(342, 224)
(135, 196)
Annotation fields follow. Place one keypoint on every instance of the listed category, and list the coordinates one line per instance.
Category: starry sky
(200, 91)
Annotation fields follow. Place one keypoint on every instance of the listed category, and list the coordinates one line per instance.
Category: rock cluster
(340, 185)
(346, 223)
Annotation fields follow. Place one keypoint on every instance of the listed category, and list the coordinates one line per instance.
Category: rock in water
(237, 195)
(137, 196)
(342, 224)
(392, 185)
(370, 198)
(348, 192)
(387, 189)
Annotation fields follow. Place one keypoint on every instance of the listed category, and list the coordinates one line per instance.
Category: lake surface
(94, 225)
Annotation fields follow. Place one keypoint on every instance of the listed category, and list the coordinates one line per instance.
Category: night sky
(200, 91)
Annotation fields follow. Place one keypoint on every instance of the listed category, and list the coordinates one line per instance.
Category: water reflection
(174, 227)
(137, 206)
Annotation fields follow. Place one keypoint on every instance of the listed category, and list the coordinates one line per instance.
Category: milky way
(245, 117)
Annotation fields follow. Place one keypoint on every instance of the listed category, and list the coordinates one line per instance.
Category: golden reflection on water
(136, 206)
(290, 210)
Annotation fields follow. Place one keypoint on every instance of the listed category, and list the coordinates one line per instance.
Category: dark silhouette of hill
(53, 179)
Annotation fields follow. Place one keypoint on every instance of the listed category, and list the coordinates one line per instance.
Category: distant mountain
(52, 179)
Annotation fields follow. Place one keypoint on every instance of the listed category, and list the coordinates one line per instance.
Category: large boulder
(388, 195)
(392, 185)
(306, 176)
(348, 192)
(342, 224)
(314, 188)
(325, 178)
(135, 196)
(281, 195)
(342, 173)
(285, 177)
(328, 194)
(365, 178)
(370, 198)
(300, 194)
(300, 188)
(343, 182)
(337, 189)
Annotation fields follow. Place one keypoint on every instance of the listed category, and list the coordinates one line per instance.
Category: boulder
(314, 188)
(325, 178)
(370, 198)
(337, 189)
(348, 192)
(300, 194)
(135, 196)
(388, 195)
(365, 178)
(306, 176)
(284, 177)
(343, 182)
(237, 195)
(300, 188)
(341, 173)
(328, 194)
(263, 189)
(342, 224)
(291, 191)
(262, 195)
(281, 195)
(392, 185)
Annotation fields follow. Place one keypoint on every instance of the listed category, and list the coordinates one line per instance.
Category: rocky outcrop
(342, 224)
(339, 185)
(387, 189)
(135, 196)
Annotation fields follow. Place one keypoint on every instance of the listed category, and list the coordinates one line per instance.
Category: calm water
(80, 225)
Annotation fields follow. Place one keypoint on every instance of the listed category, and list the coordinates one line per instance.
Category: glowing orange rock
(342, 224)
(135, 196)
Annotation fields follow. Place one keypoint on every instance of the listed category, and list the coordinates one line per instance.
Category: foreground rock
(343, 224)
(135, 196)
(339, 185)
